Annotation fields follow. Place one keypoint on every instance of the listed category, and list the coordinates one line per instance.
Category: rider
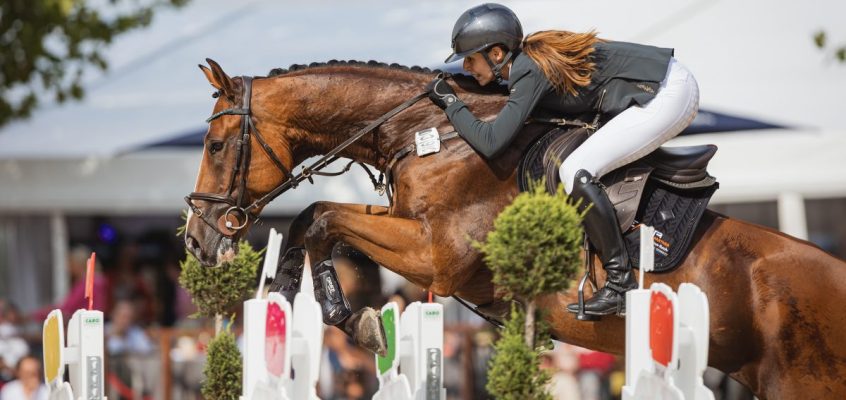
(648, 96)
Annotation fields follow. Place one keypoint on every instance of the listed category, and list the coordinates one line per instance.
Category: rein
(230, 222)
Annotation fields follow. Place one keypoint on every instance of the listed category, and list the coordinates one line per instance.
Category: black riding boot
(603, 231)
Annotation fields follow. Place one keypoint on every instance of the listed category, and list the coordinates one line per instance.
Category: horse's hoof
(365, 327)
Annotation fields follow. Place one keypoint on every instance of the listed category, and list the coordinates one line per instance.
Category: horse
(775, 301)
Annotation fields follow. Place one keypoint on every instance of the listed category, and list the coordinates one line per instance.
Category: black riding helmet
(484, 26)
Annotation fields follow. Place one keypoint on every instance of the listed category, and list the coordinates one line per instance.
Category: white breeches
(637, 131)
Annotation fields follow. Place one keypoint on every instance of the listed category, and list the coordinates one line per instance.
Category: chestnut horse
(777, 303)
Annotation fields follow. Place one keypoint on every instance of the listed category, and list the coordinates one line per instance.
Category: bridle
(238, 214)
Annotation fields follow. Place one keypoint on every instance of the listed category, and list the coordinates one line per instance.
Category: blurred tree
(46, 45)
(821, 40)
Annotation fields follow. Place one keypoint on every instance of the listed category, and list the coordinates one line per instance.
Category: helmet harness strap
(497, 68)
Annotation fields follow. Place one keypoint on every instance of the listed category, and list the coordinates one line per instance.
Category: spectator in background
(561, 363)
(125, 342)
(75, 300)
(348, 365)
(28, 384)
(594, 369)
(123, 334)
(127, 282)
(12, 346)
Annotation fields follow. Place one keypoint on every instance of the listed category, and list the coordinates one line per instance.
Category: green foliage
(514, 370)
(223, 368)
(180, 230)
(48, 43)
(216, 289)
(534, 247)
(821, 41)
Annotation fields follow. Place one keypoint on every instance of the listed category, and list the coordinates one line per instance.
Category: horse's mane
(466, 82)
(351, 63)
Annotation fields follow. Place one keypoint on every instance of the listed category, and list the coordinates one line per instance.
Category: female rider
(649, 96)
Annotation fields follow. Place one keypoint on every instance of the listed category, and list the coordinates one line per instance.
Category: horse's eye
(215, 147)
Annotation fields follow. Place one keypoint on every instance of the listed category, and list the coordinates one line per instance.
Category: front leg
(290, 268)
(402, 245)
(364, 325)
(303, 221)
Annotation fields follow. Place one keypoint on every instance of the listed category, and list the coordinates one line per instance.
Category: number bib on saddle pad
(668, 189)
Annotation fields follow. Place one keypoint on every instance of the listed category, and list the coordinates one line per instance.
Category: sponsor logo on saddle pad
(661, 246)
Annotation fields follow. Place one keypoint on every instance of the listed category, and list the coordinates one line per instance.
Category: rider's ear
(218, 79)
(497, 54)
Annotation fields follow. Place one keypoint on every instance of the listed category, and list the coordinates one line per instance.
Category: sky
(752, 58)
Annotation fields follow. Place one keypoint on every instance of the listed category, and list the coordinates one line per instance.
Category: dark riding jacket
(626, 74)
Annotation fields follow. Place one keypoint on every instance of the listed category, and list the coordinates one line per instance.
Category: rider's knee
(567, 173)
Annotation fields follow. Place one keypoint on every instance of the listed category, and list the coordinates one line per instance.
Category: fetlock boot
(328, 293)
(603, 231)
(363, 326)
(289, 274)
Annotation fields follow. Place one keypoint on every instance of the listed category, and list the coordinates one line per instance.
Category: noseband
(230, 222)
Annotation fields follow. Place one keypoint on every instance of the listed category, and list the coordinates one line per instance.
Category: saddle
(668, 189)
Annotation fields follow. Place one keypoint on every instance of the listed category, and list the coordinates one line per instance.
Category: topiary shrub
(534, 249)
(223, 368)
(214, 290)
(514, 370)
(535, 245)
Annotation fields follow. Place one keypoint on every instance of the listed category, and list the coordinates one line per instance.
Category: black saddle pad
(674, 213)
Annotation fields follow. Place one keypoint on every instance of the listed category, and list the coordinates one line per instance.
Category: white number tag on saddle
(427, 141)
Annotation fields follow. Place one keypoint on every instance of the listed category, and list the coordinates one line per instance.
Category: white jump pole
(254, 367)
(639, 356)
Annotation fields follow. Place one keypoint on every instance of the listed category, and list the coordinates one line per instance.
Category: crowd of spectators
(127, 290)
(139, 295)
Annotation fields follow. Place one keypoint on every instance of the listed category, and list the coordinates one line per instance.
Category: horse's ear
(217, 78)
(208, 73)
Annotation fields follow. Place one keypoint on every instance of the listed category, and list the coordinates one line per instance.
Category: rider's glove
(441, 93)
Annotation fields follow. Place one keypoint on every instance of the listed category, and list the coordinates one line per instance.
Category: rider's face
(477, 66)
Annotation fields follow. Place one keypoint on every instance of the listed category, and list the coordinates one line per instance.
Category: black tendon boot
(328, 293)
(603, 231)
(364, 326)
(289, 274)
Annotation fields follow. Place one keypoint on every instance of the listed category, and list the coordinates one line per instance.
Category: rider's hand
(441, 93)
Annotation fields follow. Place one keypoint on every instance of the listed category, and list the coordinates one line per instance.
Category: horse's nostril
(192, 243)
